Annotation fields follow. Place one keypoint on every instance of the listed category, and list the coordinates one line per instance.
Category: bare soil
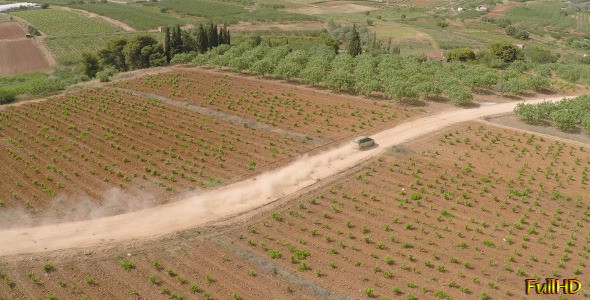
(10, 31)
(21, 56)
(333, 7)
(498, 9)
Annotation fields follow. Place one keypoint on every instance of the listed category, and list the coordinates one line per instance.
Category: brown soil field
(501, 8)
(69, 154)
(21, 56)
(467, 212)
(318, 114)
(183, 268)
(11, 31)
(108, 151)
(332, 7)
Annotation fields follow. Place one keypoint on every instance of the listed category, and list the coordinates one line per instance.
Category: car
(362, 142)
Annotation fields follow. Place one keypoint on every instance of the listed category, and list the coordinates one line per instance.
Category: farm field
(466, 212)
(21, 56)
(72, 23)
(226, 11)
(538, 16)
(11, 31)
(107, 147)
(317, 114)
(70, 150)
(330, 8)
(135, 15)
(182, 269)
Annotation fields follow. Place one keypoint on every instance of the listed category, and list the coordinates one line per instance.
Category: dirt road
(104, 18)
(214, 205)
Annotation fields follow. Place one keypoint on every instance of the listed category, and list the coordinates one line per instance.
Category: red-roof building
(435, 56)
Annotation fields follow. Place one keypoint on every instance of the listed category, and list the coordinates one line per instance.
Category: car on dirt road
(363, 142)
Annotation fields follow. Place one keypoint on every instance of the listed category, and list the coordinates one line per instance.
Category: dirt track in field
(231, 200)
(104, 18)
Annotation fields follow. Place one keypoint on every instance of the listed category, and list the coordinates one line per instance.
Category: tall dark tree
(167, 44)
(227, 37)
(188, 42)
(212, 36)
(221, 36)
(174, 46)
(354, 43)
(175, 41)
(201, 37)
(224, 35)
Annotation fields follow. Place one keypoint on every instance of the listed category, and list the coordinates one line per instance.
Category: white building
(7, 7)
(482, 8)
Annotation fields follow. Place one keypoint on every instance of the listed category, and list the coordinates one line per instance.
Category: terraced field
(71, 23)
(135, 15)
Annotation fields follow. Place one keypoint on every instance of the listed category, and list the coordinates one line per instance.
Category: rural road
(209, 206)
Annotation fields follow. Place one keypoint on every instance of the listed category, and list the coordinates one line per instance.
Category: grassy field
(583, 21)
(137, 16)
(225, 12)
(540, 16)
(71, 23)
(21, 83)
(67, 49)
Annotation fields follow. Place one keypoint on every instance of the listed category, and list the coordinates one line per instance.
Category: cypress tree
(173, 39)
(215, 36)
(167, 44)
(212, 36)
(202, 42)
(354, 44)
(221, 36)
(177, 40)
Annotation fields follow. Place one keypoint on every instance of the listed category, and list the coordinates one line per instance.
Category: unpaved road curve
(240, 197)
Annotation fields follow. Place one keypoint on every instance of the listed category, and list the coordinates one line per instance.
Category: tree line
(144, 51)
(566, 115)
(501, 67)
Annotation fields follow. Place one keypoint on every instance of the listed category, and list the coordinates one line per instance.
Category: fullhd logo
(552, 286)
